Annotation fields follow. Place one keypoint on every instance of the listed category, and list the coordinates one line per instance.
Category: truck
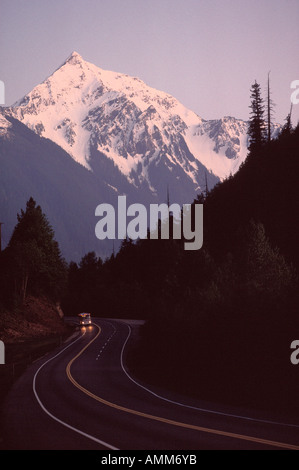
(84, 319)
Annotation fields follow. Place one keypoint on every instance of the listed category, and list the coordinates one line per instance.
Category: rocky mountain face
(147, 134)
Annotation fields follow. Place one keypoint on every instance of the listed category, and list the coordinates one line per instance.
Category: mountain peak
(74, 58)
(88, 110)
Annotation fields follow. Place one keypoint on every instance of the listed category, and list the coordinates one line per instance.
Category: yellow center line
(165, 420)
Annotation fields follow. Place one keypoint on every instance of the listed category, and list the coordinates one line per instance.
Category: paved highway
(82, 397)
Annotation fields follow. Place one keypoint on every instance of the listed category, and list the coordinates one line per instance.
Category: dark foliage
(32, 262)
(257, 125)
(220, 320)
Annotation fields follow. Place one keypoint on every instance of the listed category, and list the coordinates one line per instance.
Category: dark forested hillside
(265, 189)
(220, 320)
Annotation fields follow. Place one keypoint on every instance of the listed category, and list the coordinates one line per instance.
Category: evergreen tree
(37, 263)
(266, 270)
(287, 128)
(89, 271)
(257, 127)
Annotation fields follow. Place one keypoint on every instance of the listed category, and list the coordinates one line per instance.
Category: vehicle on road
(84, 319)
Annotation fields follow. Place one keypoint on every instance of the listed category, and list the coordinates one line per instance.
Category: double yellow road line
(165, 420)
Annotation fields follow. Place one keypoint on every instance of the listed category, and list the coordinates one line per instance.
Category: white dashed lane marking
(103, 347)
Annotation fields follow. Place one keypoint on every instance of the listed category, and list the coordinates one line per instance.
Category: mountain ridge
(80, 105)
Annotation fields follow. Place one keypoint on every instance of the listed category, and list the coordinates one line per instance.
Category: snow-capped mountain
(146, 134)
(86, 135)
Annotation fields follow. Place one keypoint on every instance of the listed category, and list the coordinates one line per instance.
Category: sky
(206, 53)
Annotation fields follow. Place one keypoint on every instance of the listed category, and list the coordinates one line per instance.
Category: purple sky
(206, 53)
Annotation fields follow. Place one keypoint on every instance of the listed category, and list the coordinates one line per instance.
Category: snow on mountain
(221, 145)
(147, 134)
(4, 125)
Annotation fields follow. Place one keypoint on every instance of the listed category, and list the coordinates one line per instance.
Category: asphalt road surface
(81, 396)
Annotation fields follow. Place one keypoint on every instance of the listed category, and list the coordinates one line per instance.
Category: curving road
(82, 397)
